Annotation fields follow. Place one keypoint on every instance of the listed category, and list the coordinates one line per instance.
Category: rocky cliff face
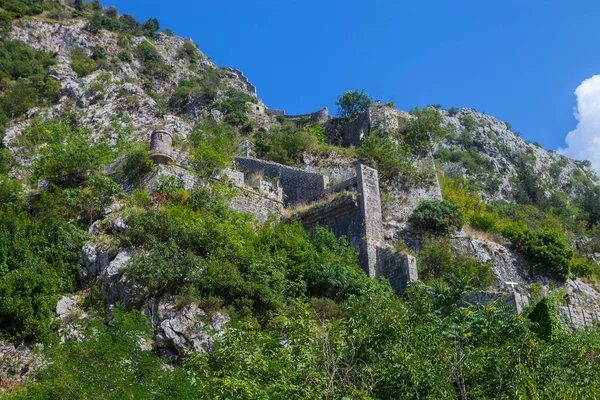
(485, 149)
(119, 95)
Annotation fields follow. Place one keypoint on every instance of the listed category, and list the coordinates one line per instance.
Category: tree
(352, 103)
(79, 5)
(151, 27)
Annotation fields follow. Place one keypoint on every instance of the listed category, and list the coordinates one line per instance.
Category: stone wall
(367, 182)
(581, 308)
(318, 116)
(404, 199)
(399, 268)
(354, 211)
(298, 185)
(341, 216)
(510, 298)
(188, 179)
(240, 76)
(260, 206)
(380, 119)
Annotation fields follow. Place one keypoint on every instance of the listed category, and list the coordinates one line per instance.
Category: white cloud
(584, 142)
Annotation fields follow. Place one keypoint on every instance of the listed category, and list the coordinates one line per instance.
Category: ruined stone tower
(161, 147)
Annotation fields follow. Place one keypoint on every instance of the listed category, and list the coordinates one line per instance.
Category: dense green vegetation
(437, 216)
(542, 234)
(153, 64)
(24, 84)
(375, 347)
(396, 156)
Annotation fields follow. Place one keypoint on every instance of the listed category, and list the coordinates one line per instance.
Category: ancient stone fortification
(381, 119)
(351, 209)
(354, 211)
(234, 72)
(260, 197)
(161, 146)
(298, 185)
(319, 116)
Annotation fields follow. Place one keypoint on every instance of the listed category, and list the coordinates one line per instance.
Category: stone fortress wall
(266, 187)
(237, 74)
(320, 116)
(355, 212)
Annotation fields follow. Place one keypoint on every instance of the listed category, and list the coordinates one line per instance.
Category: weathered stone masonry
(298, 185)
(265, 187)
(355, 212)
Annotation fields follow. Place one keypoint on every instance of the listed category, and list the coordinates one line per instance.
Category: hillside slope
(182, 275)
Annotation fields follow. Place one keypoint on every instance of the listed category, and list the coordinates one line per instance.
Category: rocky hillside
(485, 149)
(169, 272)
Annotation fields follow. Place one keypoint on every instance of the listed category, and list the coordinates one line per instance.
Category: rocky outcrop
(16, 364)
(117, 287)
(503, 150)
(179, 330)
(581, 306)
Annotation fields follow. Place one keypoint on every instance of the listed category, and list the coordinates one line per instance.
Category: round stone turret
(161, 147)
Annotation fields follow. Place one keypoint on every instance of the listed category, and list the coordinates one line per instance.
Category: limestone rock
(17, 364)
(67, 305)
(93, 262)
(116, 287)
(181, 330)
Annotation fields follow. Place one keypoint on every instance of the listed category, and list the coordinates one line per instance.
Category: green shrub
(189, 50)
(287, 147)
(168, 185)
(437, 216)
(548, 248)
(151, 28)
(545, 315)
(423, 128)
(81, 63)
(393, 160)
(483, 221)
(137, 163)
(235, 106)
(453, 111)
(153, 65)
(19, 60)
(438, 261)
(68, 157)
(469, 123)
(199, 91)
(213, 147)
(125, 56)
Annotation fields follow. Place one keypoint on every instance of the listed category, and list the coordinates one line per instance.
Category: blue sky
(518, 60)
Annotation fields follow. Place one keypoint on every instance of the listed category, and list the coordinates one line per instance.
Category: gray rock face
(182, 330)
(500, 146)
(17, 364)
(582, 308)
(67, 305)
(116, 287)
(93, 261)
(112, 97)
